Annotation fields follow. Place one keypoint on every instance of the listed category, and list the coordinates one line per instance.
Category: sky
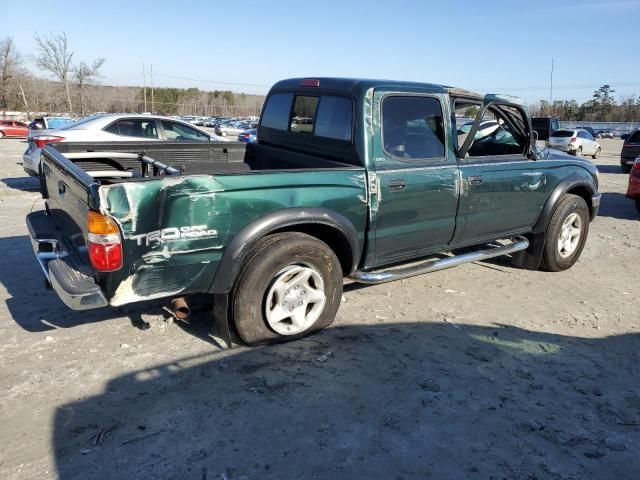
(495, 46)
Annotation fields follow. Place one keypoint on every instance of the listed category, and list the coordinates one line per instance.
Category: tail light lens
(104, 243)
(42, 140)
(573, 139)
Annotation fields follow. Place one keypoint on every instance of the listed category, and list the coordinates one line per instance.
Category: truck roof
(358, 86)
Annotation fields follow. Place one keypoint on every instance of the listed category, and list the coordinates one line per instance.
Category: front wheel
(289, 286)
(597, 154)
(566, 234)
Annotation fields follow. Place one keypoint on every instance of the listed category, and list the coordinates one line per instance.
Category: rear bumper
(31, 162)
(69, 278)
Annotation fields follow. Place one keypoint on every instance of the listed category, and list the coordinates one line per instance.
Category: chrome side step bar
(372, 277)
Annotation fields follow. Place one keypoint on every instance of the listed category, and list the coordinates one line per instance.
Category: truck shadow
(608, 168)
(24, 184)
(617, 205)
(36, 309)
(384, 401)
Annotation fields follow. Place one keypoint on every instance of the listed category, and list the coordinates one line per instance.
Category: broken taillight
(104, 242)
(42, 140)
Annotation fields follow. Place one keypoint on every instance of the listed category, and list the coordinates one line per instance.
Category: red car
(11, 128)
(633, 191)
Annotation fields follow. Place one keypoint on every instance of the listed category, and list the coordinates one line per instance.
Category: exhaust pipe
(179, 308)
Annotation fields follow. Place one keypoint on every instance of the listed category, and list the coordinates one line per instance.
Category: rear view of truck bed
(120, 226)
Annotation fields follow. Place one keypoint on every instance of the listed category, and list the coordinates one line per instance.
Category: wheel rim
(570, 234)
(295, 300)
(597, 153)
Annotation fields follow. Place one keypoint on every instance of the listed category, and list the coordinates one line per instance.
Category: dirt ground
(483, 371)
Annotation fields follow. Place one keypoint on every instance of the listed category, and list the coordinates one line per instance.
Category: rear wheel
(579, 152)
(289, 286)
(625, 168)
(566, 234)
(597, 154)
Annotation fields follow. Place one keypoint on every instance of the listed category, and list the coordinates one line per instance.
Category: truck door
(502, 189)
(416, 175)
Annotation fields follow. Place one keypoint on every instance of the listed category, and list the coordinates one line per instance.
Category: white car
(575, 141)
(111, 128)
(233, 129)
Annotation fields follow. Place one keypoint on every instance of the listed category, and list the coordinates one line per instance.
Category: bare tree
(55, 57)
(84, 74)
(10, 62)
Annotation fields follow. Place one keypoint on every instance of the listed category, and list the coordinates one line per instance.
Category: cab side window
(177, 131)
(413, 127)
(140, 128)
(501, 131)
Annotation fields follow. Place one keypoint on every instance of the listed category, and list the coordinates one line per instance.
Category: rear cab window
(562, 133)
(634, 138)
(321, 116)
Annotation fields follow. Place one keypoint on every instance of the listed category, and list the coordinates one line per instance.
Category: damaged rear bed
(124, 224)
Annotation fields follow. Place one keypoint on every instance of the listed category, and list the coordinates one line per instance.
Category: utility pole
(144, 86)
(551, 91)
(152, 107)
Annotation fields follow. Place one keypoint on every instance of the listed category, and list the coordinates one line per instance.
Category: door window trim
(442, 159)
(481, 159)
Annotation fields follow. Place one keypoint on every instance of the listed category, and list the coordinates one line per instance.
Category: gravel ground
(483, 371)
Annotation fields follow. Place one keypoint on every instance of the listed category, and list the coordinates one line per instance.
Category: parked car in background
(633, 190)
(485, 128)
(44, 123)
(604, 134)
(630, 151)
(248, 136)
(11, 128)
(110, 128)
(544, 126)
(591, 131)
(575, 141)
(234, 128)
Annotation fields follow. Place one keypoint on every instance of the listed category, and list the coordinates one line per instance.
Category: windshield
(562, 133)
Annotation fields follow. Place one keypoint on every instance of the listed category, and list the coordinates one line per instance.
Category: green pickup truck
(370, 180)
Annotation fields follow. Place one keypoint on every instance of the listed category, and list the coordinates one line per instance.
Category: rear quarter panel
(151, 213)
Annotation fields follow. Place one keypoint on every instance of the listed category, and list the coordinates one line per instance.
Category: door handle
(396, 185)
(475, 180)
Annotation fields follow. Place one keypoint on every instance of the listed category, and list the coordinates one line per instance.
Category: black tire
(579, 152)
(264, 264)
(637, 200)
(552, 260)
(625, 168)
(597, 154)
